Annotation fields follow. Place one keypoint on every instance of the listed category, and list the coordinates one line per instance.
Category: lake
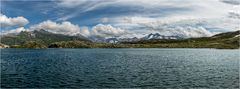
(119, 68)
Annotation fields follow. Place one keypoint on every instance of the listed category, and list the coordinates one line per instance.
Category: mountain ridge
(41, 36)
(45, 39)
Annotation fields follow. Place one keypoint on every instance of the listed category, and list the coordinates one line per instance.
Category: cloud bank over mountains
(101, 30)
(133, 18)
(184, 29)
(13, 31)
(65, 27)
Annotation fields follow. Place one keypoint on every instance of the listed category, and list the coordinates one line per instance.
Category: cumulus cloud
(16, 21)
(188, 32)
(65, 27)
(85, 31)
(14, 31)
(104, 31)
(189, 26)
(185, 29)
(177, 12)
(185, 32)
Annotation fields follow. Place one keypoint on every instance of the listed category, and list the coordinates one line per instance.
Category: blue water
(119, 68)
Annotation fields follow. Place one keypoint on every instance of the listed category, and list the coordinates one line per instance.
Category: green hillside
(41, 37)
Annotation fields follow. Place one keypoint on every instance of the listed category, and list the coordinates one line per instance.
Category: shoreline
(125, 48)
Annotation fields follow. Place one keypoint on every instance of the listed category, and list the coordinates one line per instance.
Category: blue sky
(132, 16)
(38, 11)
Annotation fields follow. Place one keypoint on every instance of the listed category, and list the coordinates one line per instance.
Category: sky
(121, 18)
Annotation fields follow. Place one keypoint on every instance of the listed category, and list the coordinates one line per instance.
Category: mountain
(117, 40)
(222, 40)
(158, 36)
(226, 35)
(151, 36)
(3, 46)
(45, 39)
(38, 36)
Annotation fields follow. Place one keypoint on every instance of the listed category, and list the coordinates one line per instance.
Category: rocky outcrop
(4, 46)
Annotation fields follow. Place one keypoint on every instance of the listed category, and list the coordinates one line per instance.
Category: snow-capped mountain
(117, 39)
(158, 36)
(150, 36)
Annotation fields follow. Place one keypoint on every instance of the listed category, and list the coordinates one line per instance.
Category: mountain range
(43, 39)
(150, 36)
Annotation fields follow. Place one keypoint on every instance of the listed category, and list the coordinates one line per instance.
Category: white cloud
(215, 15)
(187, 32)
(85, 31)
(234, 12)
(65, 27)
(14, 31)
(193, 8)
(104, 20)
(184, 27)
(210, 12)
(71, 3)
(16, 21)
(104, 31)
(81, 5)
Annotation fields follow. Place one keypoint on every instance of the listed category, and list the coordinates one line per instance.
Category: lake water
(120, 68)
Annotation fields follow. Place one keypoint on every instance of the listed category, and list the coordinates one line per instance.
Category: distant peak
(42, 30)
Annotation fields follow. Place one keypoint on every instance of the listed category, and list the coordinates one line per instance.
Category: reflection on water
(120, 68)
